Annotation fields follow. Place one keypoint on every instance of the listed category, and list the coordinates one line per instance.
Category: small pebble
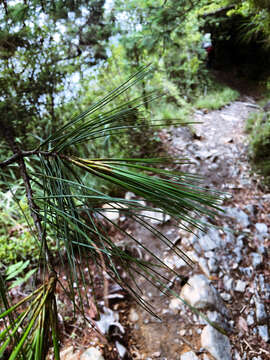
(250, 320)
(261, 315)
(190, 355)
(227, 281)
(257, 260)
(263, 332)
(133, 315)
(240, 286)
(261, 228)
(213, 265)
(225, 296)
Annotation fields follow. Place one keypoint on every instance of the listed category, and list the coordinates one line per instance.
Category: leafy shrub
(258, 125)
(16, 229)
(216, 99)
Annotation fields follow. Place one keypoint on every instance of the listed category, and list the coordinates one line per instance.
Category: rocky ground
(230, 282)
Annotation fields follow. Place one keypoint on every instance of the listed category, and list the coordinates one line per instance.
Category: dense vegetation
(67, 91)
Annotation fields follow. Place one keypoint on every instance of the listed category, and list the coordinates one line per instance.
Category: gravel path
(230, 282)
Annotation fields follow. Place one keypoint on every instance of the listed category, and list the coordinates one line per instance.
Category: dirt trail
(218, 151)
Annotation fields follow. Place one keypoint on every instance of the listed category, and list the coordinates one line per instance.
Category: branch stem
(18, 157)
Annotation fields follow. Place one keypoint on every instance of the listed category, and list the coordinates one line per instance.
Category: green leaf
(15, 269)
(22, 280)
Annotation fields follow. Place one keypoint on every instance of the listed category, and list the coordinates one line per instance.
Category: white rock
(261, 228)
(237, 355)
(190, 355)
(174, 261)
(240, 286)
(133, 315)
(250, 320)
(69, 354)
(263, 332)
(155, 217)
(92, 354)
(257, 260)
(199, 293)
(175, 304)
(227, 281)
(213, 264)
(129, 195)
(111, 211)
(107, 319)
(260, 312)
(216, 343)
(239, 215)
(225, 296)
(121, 349)
(211, 240)
(204, 266)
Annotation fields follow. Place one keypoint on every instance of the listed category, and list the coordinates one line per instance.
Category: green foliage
(16, 229)
(40, 47)
(15, 272)
(216, 99)
(258, 126)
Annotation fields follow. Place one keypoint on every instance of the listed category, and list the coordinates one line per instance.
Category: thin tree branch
(14, 158)
(8, 134)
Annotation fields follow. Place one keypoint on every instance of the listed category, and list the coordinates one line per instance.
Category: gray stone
(262, 249)
(175, 305)
(247, 271)
(92, 354)
(263, 332)
(229, 236)
(225, 296)
(111, 211)
(190, 355)
(228, 283)
(240, 286)
(239, 241)
(213, 167)
(251, 209)
(261, 228)
(239, 215)
(262, 283)
(209, 254)
(200, 294)
(213, 264)
(238, 253)
(217, 344)
(133, 315)
(206, 243)
(204, 266)
(121, 349)
(261, 314)
(156, 217)
(174, 261)
(211, 240)
(237, 355)
(219, 320)
(257, 260)
(250, 319)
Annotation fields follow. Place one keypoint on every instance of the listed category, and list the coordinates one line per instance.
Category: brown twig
(22, 154)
